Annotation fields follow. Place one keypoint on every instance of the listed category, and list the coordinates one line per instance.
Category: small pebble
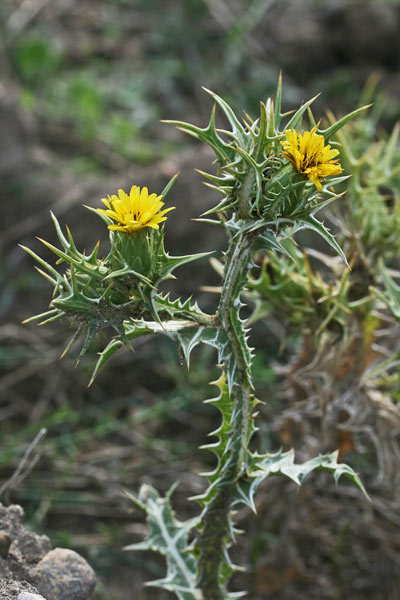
(29, 596)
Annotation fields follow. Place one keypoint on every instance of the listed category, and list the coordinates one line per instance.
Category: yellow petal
(135, 211)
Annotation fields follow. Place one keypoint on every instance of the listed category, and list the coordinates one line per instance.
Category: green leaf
(297, 117)
(278, 101)
(330, 131)
(169, 185)
(208, 135)
(222, 447)
(179, 307)
(135, 328)
(168, 537)
(282, 463)
(42, 262)
(79, 261)
(311, 223)
(105, 356)
(237, 128)
(268, 241)
(167, 264)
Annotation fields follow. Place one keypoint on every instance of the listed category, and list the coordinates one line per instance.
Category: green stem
(215, 533)
(236, 276)
(244, 195)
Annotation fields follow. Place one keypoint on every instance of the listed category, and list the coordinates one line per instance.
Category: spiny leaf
(48, 315)
(168, 264)
(278, 101)
(237, 127)
(179, 306)
(42, 262)
(168, 537)
(133, 329)
(188, 339)
(169, 185)
(79, 262)
(105, 356)
(332, 129)
(127, 270)
(282, 463)
(222, 448)
(311, 223)
(296, 119)
(208, 135)
(269, 241)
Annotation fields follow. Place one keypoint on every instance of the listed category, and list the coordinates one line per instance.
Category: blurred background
(84, 84)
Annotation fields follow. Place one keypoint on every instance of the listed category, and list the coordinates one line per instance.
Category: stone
(20, 549)
(5, 543)
(64, 575)
(29, 566)
(24, 543)
(10, 589)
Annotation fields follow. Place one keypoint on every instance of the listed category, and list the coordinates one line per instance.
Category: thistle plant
(274, 174)
(345, 367)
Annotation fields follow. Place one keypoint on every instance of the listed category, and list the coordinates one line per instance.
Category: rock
(5, 543)
(31, 570)
(26, 548)
(64, 575)
(10, 589)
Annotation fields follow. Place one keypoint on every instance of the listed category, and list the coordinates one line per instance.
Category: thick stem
(234, 281)
(212, 543)
(216, 525)
(245, 194)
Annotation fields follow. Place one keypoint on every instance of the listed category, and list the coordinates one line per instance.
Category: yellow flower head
(309, 155)
(135, 211)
